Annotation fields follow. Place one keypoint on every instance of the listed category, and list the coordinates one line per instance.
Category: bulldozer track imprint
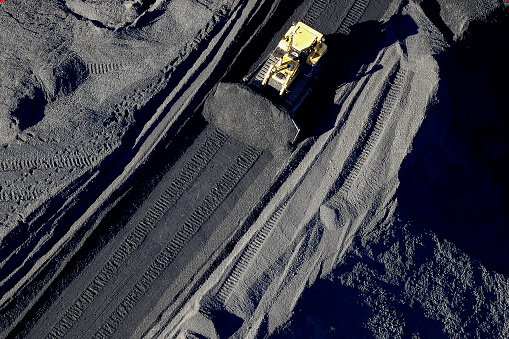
(30, 193)
(353, 16)
(248, 254)
(101, 68)
(58, 161)
(199, 216)
(385, 112)
(315, 12)
(184, 179)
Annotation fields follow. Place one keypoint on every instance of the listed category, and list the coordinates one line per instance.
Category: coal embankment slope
(436, 268)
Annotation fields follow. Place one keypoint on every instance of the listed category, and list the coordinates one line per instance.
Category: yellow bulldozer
(288, 71)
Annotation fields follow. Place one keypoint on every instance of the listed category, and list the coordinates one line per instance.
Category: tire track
(58, 161)
(26, 193)
(181, 183)
(247, 255)
(103, 68)
(385, 112)
(314, 12)
(199, 216)
(353, 16)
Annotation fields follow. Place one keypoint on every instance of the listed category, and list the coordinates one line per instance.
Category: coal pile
(250, 117)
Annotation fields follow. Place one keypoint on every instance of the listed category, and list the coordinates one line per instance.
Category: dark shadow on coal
(328, 310)
(345, 57)
(432, 10)
(148, 18)
(455, 180)
(348, 302)
(30, 110)
(69, 74)
(195, 335)
(226, 323)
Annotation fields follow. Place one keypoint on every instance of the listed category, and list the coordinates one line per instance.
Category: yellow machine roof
(304, 36)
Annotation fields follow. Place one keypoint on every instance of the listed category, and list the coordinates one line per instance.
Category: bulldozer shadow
(343, 64)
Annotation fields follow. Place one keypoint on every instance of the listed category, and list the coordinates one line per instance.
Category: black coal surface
(249, 117)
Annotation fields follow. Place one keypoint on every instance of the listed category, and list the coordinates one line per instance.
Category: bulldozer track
(297, 88)
(258, 79)
(183, 180)
(102, 68)
(248, 254)
(199, 216)
(353, 16)
(385, 112)
(315, 12)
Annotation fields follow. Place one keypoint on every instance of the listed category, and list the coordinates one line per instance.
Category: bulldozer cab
(302, 55)
(292, 61)
(300, 41)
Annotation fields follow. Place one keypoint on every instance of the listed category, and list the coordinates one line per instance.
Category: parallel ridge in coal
(249, 117)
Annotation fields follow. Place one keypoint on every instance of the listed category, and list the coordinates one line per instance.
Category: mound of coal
(453, 17)
(249, 117)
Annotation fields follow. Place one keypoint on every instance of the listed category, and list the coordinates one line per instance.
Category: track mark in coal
(199, 216)
(102, 68)
(314, 12)
(25, 194)
(385, 112)
(181, 183)
(248, 254)
(210, 4)
(353, 16)
(80, 159)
